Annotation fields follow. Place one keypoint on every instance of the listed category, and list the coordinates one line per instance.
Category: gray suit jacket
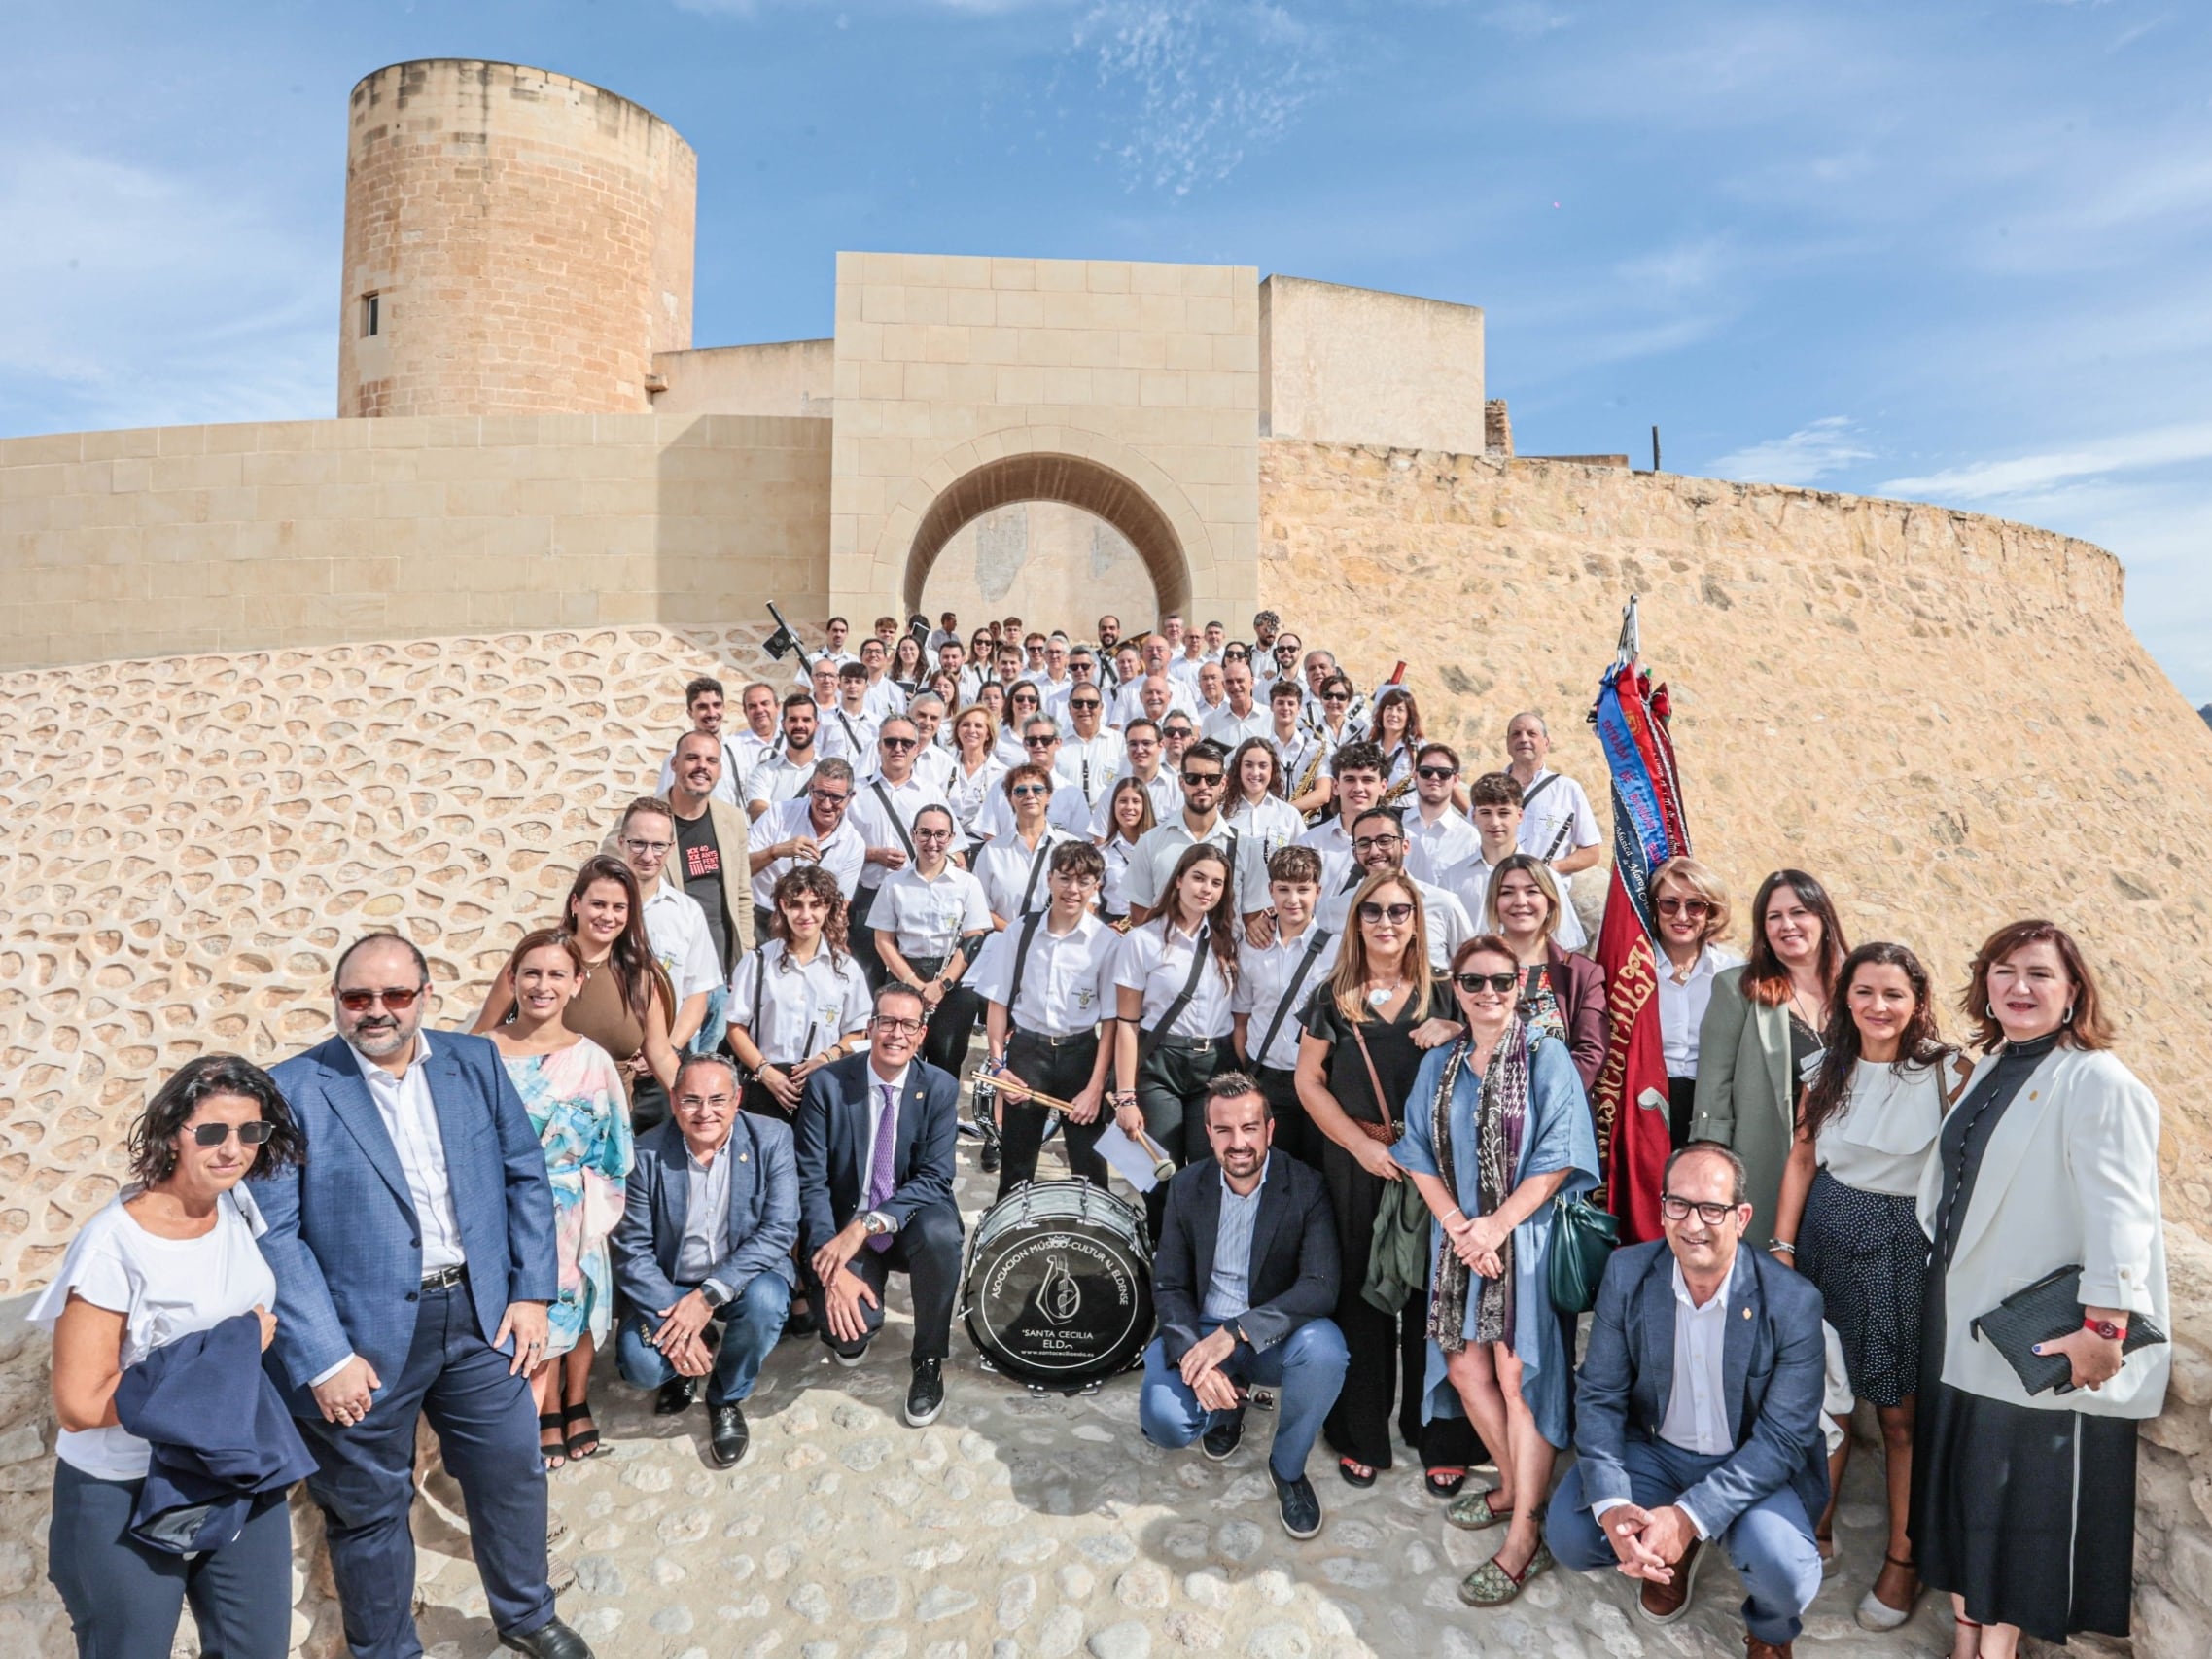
(763, 1211)
(1746, 1097)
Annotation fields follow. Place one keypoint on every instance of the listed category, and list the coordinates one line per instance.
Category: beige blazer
(733, 834)
(2071, 1176)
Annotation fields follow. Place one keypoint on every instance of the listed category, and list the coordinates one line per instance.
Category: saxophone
(1306, 778)
(1397, 790)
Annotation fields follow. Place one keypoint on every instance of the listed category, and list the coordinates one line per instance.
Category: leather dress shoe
(1664, 1604)
(552, 1639)
(726, 1433)
(674, 1397)
(1223, 1438)
(1754, 1648)
(926, 1394)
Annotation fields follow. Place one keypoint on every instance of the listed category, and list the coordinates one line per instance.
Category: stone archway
(1073, 481)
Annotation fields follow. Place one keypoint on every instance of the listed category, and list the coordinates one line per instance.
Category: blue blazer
(763, 1211)
(832, 1137)
(342, 1238)
(1772, 1367)
(1293, 1275)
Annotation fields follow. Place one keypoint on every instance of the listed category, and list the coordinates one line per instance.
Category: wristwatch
(711, 1294)
(875, 1223)
(2105, 1329)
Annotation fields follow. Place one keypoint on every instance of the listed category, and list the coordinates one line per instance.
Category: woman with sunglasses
(1129, 817)
(1566, 993)
(1690, 906)
(930, 919)
(1024, 703)
(1011, 864)
(1173, 980)
(1499, 1126)
(801, 1001)
(169, 1257)
(1365, 1030)
(574, 1095)
(626, 1002)
(977, 772)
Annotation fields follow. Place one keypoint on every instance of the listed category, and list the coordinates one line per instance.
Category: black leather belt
(1021, 1036)
(1193, 1044)
(444, 1279)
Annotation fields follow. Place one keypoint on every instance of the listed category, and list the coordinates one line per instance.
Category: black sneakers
(674, 1397)
(926, 1394)
(727, 1437)
(1224, 1436)
(1301, 1508)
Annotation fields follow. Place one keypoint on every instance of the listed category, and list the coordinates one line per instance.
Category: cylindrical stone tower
(515, 243)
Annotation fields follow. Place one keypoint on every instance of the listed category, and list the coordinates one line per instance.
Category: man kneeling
(1243, 1279)
(705, 1245)
(1697, 1414)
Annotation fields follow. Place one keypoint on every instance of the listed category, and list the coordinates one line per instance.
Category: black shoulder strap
(1290, 997)
(1537, 788)
(896, 823)
(1029, 924)
(1044, 847)
(1147, 1040)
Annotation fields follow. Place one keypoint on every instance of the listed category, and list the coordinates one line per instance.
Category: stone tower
(517, 242)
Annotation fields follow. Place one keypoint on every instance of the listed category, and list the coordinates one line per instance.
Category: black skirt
(1867, 1254)
(2029, 1515)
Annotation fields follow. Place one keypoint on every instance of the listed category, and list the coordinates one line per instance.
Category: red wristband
(2105, 1329)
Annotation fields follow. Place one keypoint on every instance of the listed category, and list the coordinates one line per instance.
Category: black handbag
(2044, 1312)
(1584, 1238)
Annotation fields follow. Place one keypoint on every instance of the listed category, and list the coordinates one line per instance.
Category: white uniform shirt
(1129, 704)
(1183, 671)
(780, 778)
(1009, 751)
(1295, 751)
(1229, 728)
(1067, 810)
(1262, 832)
(935, 766)
(1334, 841)
(676, 926)
(882, 699)
(847, 736)
(1431, 849)
(1158, 851)
(1054, 693)
(829, 1000)
(843, 853)
(1559, 821)
(1468, 881)
(928, 915)
(1005, 868)
(1066, 982)
(1164, 787)
(1092, 763)
(968, 794)
(410, 1119)
(1443, 915)
(1113, 891)
(1157, 962)
(1263, 979)
(867, 816)
(1682, 1007)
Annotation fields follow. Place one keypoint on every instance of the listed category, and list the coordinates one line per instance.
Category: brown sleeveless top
(600, 1014)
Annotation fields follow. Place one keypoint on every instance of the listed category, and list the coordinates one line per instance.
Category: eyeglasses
(1437, 774)
(1038, 742)
(1473, 983)
(251, 1134)
(1678, 1210)
(899, 742)
(921, 834)
(1690, 907)
(398, 999)
(826, 798)
(1395, 914)
(1022, 791)
(649, 849)
(1377, 843)
(891, 1027)
(1202, 780)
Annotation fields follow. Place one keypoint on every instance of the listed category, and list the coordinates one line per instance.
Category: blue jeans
(749, 1322)
(1307, 1369)
(708, 1037)
(1769, 1545)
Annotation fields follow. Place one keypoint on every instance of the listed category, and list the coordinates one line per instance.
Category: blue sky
(1952, 252)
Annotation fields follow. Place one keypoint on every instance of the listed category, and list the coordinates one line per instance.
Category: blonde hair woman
(1690, 904)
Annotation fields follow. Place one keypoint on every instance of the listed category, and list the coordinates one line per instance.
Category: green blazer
(1746, 1099)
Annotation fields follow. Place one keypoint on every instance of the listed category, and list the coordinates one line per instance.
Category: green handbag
(1583, 1240)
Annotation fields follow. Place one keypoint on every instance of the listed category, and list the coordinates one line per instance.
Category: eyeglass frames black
(252, 1134)
(1473, 983)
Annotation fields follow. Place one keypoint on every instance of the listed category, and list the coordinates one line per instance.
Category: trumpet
(1003, 1084)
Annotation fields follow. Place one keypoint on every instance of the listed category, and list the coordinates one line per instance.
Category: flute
(1001, 1082)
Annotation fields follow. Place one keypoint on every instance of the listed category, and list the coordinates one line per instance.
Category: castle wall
(1357, 365)
(528, 238)
(789, 377)
(221, 538)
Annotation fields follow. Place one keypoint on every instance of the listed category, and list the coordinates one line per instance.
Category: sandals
(1355, 1472)
(584, 1442)
(1474, 1512)
(555, 1452)
(1445, 1481)
(1490, 1585)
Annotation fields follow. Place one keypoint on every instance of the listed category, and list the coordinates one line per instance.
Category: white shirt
(1128, 702)
(410, 1118)
(1229, 728)
(934, 764)
(1152, 865)
(1113, 891)
(1006, 868)
(1009, 751)
(1334, 841)
(830, 999)
(1682, 1007)
(843, 853)
(1163, 786)
(1443, 915)
(1468, 881)
(1156, 961)
(1183, 671)
(1092, 763)
(165, 1288)
(1431, 849)
(1065, 811)
(896, 1084)
(1879, 1139)
(676, 928)
(1263, 980)
(1066, 982)
(1295, 752)
(866, 816)
(1054, 693)
(780, 778)
(1262, 831)
(847, 736)
(1696, 1411)
(968, 794)
(882, 699)
(926, 915)
(1559, 821)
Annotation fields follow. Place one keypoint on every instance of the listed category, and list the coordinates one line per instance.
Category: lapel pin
(1746, 1313)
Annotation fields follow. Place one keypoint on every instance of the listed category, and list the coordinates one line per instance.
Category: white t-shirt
(164, 1288)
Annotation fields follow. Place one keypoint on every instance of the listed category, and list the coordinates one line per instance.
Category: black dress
(2029, 1515)
(1383, 1347)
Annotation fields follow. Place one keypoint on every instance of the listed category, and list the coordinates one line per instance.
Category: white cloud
(1525, 19)
(2035, 474)
(1811, 452)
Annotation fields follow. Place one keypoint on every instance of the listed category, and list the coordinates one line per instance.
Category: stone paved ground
(1021, 1525)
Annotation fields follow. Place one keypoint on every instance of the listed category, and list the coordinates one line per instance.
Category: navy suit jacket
(833, 1135)
(1773, 1363)
(1295, 1264)
(342, 1237)
(763, 1211)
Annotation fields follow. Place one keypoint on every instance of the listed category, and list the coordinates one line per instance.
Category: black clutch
(2043, 1312)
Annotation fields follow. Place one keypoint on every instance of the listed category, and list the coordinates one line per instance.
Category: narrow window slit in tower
(369, 318)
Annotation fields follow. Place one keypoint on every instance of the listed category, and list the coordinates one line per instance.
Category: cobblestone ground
(1021, 1525)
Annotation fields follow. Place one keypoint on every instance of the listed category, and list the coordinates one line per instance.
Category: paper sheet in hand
(1127, 1158)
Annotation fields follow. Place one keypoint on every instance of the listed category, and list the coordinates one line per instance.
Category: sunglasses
(1202, 780)
(1395, 914)
(1678, 1210)
(1084, 703)
(1334, 697)
(1038, 742)
(252, 1134)
(1685, 907)
(1437, 774)
(1021, 791)
(398, 1000)
(1177, 733)
(1499, 983)
(899, 742)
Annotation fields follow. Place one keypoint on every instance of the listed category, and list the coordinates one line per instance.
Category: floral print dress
(580, 1107)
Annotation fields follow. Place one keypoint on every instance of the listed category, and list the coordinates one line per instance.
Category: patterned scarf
(1447, 1284)
(1503, 1116)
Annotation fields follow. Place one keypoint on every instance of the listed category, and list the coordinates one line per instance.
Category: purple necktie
(880, 1183)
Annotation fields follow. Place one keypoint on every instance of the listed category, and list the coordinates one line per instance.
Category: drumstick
(1163, 1166)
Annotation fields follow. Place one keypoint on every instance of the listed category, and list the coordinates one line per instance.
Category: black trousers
(1170, 1093)
(1294, 1131)
(649, 1103)
(1681, 1105)
(860, 937)
(952, 1027)
(1388, 1351)
(926, 1249)
(761, 1103)
(1064, 1070)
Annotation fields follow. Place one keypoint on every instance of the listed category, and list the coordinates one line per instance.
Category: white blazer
(2071, 1176)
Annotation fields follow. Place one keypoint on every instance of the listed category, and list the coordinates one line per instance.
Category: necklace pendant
(1380, 994)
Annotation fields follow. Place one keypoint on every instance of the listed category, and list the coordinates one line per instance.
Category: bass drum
(1057, 1289)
